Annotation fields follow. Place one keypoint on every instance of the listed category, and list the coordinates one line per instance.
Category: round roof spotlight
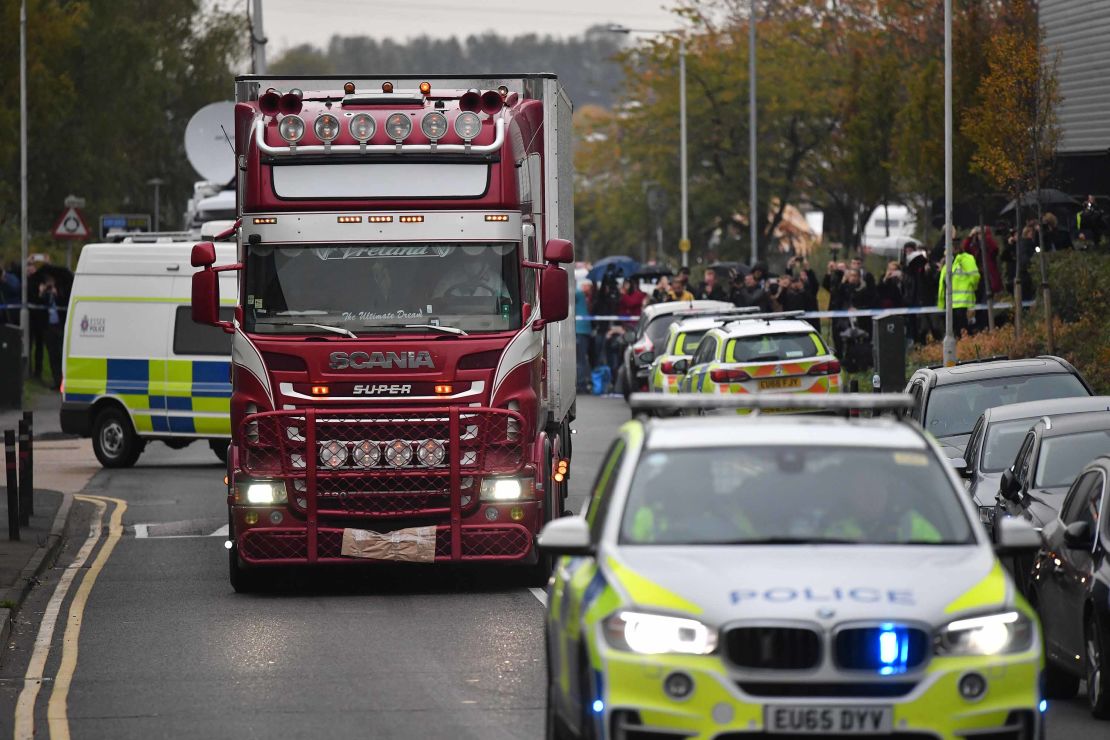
(434, 125)
(362, 127)
(398, 453)
(398, 126)
(269, 102)
(333, 453)
(492, 101)
(430, 453)
(471, 101)
(291, 101)
(291, 128)
(503, 90)
(349, 88)
(425, 88)
(326, 127)
(367, 454)
(468, 125)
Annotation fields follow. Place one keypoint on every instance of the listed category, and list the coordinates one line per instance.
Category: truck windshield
(363, 288)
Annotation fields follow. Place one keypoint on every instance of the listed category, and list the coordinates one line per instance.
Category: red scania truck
(403, 377)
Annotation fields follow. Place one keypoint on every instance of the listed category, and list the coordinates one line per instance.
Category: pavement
(63, 466)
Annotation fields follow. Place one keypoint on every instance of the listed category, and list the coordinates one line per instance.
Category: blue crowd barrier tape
(30, 307)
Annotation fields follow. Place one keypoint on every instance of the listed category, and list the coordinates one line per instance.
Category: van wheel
(114, 440)
(219, 446)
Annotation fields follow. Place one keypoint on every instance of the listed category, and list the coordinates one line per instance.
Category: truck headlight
(262, 492)
(655, 634)
(994, 634)
(503, 489)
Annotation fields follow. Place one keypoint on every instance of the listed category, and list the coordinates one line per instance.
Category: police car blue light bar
(709, 312)
(776, 401)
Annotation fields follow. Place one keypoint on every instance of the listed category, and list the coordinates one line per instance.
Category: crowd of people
(47, 298)
(986, 262)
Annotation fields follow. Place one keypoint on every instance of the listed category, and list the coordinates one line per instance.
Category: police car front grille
(773, 648)
(859, 649)
(811, 690)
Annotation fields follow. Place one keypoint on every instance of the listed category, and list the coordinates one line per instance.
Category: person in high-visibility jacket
(965, 281)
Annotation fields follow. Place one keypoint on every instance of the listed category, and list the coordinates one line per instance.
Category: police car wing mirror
(554, 295)
(559, 251)
(1015, 536)
(681, 366)
(566, 536)
(647, 357)
(203, 255)
(1077, 536)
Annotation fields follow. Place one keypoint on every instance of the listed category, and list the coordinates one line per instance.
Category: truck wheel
(219, 446)
(114, 440)
(552, 509)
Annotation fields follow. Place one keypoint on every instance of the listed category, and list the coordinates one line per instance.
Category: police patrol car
(135, 366)
(785, 575)
(753, 355)
(668, 367)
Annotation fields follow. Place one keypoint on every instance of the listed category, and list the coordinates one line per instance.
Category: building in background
(1079, 32)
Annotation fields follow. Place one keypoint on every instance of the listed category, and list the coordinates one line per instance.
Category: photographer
(1090, 222)
(889, 292)
(710, 290)
(746, 292)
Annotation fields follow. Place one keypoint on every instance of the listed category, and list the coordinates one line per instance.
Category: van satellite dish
(206, 143)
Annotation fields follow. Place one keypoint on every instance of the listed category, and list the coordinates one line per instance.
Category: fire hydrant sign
(71, 225)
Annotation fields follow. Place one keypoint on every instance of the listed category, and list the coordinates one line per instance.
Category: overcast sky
(291, 22)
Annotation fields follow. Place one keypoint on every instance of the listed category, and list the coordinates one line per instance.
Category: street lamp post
(949, 346)
(157, 183)
(684, 244)
(753, 218)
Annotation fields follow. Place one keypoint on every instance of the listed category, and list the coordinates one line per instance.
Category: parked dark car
(1070, 588)
(1050, 457)
(948, 400)
(997, 437)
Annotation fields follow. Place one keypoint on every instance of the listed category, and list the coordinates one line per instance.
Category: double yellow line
(56, 712)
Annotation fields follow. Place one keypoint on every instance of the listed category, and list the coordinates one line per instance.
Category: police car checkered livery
(792, 575)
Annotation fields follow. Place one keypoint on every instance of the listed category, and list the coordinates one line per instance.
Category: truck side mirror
(204, 254)
(1077, 536)
(559, 251)
(206, 296)
(554, 294)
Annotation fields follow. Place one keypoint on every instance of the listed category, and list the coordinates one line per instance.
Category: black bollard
(13, 486)
(24, 477)
(29, 417)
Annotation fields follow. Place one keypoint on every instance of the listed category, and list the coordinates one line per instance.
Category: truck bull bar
(396, 465)
(294, 149)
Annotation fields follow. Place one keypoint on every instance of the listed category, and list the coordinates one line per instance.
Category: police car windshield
(953, 409)
(780, 494)
(366, 288)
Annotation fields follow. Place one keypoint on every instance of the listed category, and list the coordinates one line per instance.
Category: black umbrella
(1046, 197)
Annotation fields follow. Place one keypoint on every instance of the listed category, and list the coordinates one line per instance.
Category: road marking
(56, 711)
(141, 530)
(221, 532)
(33, 678)
(540, 594)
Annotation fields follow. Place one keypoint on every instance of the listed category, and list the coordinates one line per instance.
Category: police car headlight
(994, 634)
(654, 634)
(262, 492)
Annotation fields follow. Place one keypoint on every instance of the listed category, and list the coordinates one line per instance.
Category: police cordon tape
(854, 313)
(30, 307)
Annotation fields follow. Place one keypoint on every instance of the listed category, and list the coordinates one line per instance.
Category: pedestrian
(54, 301)
(678, 289)
(983, 248)
(748, 292)
(662, 291)
(631, 301)
(710, 289)
(10, 294)
(915, 292)
(889, 291)
(37, 315)
(1055, 238)
(965, 280)
(583, 332)
(1090, 222)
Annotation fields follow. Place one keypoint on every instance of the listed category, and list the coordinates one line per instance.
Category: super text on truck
(402, 357)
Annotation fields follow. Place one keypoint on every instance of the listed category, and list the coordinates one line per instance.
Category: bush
(1080, 283)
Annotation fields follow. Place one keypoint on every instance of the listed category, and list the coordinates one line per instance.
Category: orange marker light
(380, 219)
(266, 220)
(411, 219)
(497, 217)
(320, 390)
(425, 88)
(348, 87)
(444, 390)
(349, 219)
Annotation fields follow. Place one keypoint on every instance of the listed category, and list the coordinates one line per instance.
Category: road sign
(684, 245)
(123, 222)
(72, 201)
(71, 225)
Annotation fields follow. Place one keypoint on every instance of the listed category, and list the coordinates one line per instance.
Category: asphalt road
(166, 648)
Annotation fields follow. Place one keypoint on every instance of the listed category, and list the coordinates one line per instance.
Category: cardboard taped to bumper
(413, 545)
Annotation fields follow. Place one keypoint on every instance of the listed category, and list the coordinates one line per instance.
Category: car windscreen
(785, 494)
(1062, 458)
(657, 330)
(688, 342)
(366, 288)
(954, 408)
(773, 348)
(1003, 441)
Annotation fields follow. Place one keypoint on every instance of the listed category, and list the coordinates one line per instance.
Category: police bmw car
(668, 368)
(785, 575)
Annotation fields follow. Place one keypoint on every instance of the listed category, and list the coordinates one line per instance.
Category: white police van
(136, 368)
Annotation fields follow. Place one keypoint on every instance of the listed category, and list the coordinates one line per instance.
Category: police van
(136, 368)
